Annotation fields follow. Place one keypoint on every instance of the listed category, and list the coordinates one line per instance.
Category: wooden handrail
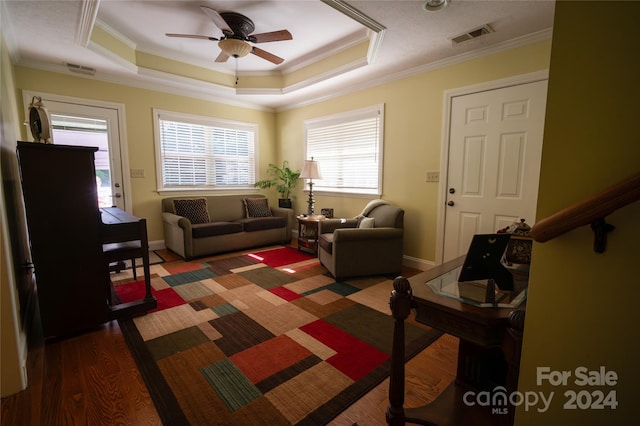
(589, 211)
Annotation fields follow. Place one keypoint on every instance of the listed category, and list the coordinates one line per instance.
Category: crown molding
(421, 69)
(87, 20)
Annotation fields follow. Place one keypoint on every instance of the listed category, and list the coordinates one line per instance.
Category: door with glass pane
(75, 123)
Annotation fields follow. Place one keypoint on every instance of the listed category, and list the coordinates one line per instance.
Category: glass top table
(481, 293)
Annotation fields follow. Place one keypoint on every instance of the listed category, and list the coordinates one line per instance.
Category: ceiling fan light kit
(234, 47)
(236, 36)
(435, 5)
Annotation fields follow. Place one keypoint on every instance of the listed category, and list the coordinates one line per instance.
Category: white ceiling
(403, 37)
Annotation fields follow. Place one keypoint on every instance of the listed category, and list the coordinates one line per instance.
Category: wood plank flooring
(92, 379)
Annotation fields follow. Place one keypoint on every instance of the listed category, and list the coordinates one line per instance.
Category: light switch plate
(137, 173)
(432, 176)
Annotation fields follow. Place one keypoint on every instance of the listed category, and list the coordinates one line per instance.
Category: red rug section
(268, 358)
(285, 293)
(167, 297)
(354, 357)
(280, 257)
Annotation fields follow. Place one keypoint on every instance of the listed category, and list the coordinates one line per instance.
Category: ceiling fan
(236, 35)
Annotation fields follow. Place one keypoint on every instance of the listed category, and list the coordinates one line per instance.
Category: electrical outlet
(137, 173)
(432, 176)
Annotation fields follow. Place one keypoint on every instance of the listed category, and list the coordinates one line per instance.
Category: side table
(308, 233)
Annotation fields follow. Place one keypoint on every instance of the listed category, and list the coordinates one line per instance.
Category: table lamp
(310, 171)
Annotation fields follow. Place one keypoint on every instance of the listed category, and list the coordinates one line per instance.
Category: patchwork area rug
(265, 337)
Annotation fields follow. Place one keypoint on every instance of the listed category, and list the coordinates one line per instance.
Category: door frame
(448, 97)
(27, 96)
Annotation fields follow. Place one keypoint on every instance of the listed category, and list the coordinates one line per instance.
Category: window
(348, 148)
(196, 152)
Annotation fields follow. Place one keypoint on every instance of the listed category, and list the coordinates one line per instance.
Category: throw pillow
(193, 209)
(257, 207)
(367, 222)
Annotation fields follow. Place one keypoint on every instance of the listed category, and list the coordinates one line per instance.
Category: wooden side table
(308, 233)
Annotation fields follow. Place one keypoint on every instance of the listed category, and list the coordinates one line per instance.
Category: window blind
(348, 149)
(194, 154)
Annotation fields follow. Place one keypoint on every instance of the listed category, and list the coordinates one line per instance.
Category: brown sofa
(369, 244)
(201, 226)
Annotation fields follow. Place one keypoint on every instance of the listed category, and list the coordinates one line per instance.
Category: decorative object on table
(520, 244)
(284, 179)
(39, 121)
(308, 233)
(310, 171)
(327, 212)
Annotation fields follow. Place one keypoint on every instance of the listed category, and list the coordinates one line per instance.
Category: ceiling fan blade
(271, 36)
(222, 57)
(191, 36)
(266, 55)
(217, 19)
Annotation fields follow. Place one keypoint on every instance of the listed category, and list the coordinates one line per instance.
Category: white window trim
(342, 118)
(206, 121)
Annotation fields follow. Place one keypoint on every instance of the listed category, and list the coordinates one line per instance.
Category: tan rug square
(167, 321)
(324, 297)
(297, 397)
(375, 297)
(316, 347)
(310, 283)
(192, 291)
(232, 281)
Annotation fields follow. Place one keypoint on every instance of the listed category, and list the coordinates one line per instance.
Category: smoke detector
(435, 5)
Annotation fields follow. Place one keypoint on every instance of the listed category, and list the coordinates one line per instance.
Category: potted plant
(284, 179)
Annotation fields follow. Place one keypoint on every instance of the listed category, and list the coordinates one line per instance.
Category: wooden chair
(118, 252)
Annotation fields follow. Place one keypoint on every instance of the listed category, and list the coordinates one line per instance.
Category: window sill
(212, 191)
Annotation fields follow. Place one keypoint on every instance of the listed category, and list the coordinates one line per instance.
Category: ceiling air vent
(473, 34)
(80, 69)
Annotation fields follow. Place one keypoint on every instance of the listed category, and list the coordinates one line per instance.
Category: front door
(495, 149)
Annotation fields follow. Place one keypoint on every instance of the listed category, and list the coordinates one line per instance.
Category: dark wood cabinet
(63, 218)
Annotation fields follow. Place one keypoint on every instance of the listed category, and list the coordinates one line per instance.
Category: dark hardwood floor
(92, 379)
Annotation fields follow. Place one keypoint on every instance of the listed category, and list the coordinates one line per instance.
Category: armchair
(369, 244)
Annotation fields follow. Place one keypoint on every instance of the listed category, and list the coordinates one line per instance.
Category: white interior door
(86, 123)
(495, 149)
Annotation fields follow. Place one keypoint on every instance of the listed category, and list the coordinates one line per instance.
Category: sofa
(207, 225)
(369, 244)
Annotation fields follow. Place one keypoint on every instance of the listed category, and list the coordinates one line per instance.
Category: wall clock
(39, 121)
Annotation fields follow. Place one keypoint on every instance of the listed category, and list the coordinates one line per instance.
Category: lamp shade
(234, 47)
(311, 170)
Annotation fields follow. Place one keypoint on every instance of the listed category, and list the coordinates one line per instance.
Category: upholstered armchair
(369, 244)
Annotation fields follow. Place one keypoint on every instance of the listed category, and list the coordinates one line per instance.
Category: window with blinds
(348, 149)
(204, 153)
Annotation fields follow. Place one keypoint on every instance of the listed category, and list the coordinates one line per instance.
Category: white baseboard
(414, 262)
(157, 245)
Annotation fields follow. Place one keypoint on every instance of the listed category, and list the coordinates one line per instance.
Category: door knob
(451, 203)
(117, 195)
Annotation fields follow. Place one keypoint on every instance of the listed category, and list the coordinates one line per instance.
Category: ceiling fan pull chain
(236, 70)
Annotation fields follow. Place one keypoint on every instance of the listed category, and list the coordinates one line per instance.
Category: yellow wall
(13, 339)
(413, 127)
(139, 120)
(413, 136)
(583, 307)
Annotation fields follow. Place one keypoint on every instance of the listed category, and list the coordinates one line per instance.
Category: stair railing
(592, 211)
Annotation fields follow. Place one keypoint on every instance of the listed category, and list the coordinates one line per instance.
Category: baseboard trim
(417, 263)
